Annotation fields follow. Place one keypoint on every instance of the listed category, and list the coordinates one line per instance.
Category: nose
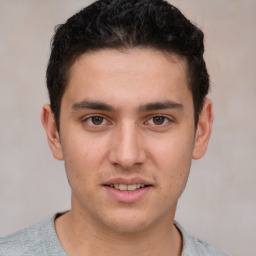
(127, 147)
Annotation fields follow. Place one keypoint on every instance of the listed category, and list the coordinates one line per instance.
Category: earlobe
(203, 130)
(50, 127)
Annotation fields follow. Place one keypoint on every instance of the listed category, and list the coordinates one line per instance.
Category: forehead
(136, 73)
(133, 60)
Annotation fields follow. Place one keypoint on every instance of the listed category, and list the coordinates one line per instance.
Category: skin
(134, 137)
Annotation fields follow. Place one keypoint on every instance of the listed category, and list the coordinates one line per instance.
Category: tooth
(131, 187)
(122, 187)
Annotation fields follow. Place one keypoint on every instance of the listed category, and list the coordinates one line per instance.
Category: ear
(203, 130)
(50, 127)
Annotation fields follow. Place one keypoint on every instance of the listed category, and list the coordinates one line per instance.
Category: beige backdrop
(219, 202)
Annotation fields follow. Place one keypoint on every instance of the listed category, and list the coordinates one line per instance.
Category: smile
(124, 187)
(127, 193)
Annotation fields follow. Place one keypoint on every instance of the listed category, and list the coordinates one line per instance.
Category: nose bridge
(126, 148)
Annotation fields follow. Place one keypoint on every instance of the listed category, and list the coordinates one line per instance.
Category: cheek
(83, 159)
(83, 148)
(173, 151)
(173, 160)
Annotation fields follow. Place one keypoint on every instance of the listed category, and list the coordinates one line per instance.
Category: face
(127, 137)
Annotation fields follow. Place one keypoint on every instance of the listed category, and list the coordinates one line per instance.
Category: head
(123, 25)
(127, 84)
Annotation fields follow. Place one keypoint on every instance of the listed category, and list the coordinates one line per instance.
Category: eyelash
(165, 122)
(88, 121)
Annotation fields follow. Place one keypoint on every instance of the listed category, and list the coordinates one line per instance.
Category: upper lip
(128, 181)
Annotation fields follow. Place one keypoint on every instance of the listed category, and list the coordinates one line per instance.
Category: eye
(158, 120)
(95, 120)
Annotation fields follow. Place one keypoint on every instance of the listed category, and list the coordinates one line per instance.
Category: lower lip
(128, 196)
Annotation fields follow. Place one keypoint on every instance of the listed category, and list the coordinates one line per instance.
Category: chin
(128, 223)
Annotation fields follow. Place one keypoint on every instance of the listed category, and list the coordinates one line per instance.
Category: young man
(128, 112)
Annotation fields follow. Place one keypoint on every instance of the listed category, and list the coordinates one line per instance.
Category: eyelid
(107, 122)
(167, 121)
(103, 120)
(90, 124)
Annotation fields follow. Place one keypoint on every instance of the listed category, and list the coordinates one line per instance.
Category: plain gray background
(219, 203)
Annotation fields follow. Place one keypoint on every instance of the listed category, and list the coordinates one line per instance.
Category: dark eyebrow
(160, 105)
(96, 105)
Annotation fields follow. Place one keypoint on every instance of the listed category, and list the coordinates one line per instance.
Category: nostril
(127, 154)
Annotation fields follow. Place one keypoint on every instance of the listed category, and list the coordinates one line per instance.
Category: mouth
(125, 187)
(128, 190)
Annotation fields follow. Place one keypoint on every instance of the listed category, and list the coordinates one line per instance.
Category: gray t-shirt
(42, 240)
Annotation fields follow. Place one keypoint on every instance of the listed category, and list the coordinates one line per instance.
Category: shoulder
(196, 247)
(40, 239)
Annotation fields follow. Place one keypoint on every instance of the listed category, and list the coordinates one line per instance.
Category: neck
(79, 236)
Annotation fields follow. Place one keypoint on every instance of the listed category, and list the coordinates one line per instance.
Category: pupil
(97, 120)
(158, 120)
